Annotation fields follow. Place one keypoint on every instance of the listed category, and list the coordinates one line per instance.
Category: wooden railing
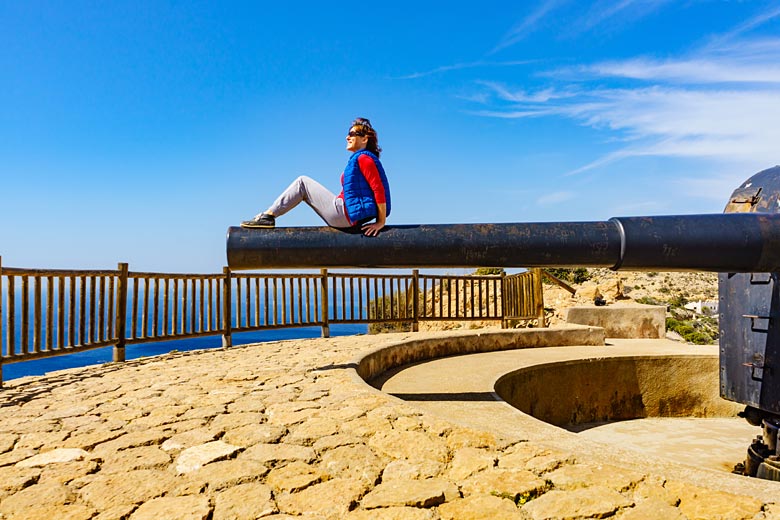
(523, 296)
(47, 312)
(471, 297)
(163, 307)
(272, 301)
(69, 311)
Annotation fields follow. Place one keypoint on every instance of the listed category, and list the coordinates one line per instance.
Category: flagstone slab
(194, 458)
(7, 441)
(221, 475)
(174, 508)
(105, 491)
(480, 507)
(55, 456)
(328, 500)
(415, 493)
(250, 500)
(275, 453)
(591, 502)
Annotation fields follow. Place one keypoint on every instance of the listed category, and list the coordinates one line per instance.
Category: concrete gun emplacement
(742, 245)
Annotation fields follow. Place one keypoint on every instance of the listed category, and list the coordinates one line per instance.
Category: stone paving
(287, 429)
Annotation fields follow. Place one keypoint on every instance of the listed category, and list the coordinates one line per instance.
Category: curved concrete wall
(593, 390)
(414, 350)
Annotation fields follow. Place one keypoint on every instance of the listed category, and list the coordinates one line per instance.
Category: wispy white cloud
(746, 26)
(728, 125)
(600, 13)
(523, 96)
(475, 97)
(527, 25)
(700, 71)
(608, 10)
(555, 198)
(719, 102)
(752, 62)
(714, 187)
(518, 113)
(462, 66)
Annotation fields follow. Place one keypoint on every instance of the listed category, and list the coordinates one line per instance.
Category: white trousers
(328, 206)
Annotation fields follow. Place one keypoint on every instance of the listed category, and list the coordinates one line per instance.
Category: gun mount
(742, 245)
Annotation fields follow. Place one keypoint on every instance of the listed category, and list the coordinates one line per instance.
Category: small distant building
(704, 307)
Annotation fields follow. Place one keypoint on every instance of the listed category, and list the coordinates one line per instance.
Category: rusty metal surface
(759, 194)
(464, 245)
(717, 242)
(749, 308)
(720, 243)
(749, 339)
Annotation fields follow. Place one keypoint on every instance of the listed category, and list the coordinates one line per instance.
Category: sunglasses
(353, 133)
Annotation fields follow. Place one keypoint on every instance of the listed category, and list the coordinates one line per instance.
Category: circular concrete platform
(462, 389)
(717, 443)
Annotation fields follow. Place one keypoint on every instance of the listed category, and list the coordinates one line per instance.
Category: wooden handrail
(50, 312)
(558, 281)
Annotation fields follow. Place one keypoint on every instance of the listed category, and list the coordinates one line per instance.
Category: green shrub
(577, 275)
(685, 330)
(698, 338)
(486, 271)
(689, 330)
(377, 312)
(392, 326)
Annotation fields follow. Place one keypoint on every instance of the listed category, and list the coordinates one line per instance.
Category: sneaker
(263, 220)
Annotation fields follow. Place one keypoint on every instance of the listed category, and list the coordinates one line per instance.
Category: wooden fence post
(324, 303)
(121, 313)
(539, 295)
(1, 323)
(227, 308)
(504, 322)
(416, 300)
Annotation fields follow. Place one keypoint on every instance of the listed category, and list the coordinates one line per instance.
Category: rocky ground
(661, 288)
(284, 430)
(672, 289)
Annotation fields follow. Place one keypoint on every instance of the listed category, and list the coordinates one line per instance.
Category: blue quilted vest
(358, 197)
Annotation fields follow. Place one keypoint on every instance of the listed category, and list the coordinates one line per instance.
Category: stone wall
(622, 321)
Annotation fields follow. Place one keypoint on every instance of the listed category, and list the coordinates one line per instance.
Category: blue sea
(104, 355)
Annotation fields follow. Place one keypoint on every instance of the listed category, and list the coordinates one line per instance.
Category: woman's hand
(373, 229)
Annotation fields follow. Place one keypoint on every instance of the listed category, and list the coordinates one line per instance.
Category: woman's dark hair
(364, 126)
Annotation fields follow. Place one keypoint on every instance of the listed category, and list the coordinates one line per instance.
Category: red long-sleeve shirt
(370, 172)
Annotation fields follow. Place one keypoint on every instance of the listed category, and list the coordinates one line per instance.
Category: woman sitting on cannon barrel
(365, 194)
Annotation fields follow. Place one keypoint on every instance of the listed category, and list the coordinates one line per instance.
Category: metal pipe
(734, 242)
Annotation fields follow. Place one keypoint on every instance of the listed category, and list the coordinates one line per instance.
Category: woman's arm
(371, 173)
(374, 228)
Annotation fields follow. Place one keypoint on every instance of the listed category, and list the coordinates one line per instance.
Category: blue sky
(139, 131)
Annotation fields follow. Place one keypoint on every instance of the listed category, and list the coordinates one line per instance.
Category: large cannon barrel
(731, 242)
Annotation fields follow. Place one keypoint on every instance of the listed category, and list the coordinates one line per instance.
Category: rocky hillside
(671, 289)
(660, 288)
